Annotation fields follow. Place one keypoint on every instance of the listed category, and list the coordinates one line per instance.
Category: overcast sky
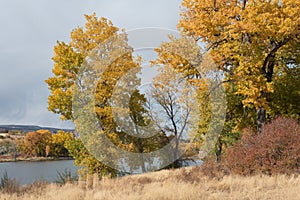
(29, 31)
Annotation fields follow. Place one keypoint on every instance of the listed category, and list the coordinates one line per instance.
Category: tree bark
(261, 118)
(268, 71)
(140, 149)
(219, 151)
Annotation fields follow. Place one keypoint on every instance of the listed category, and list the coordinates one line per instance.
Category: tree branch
(268, 64)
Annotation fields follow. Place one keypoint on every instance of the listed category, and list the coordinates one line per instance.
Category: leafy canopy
(249, 40)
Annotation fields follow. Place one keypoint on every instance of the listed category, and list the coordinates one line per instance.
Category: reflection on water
(27, 172)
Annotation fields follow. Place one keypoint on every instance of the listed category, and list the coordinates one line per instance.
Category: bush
(8, 185)
(275, 150)
(213, 169)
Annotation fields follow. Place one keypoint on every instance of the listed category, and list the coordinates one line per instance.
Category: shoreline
(34, 159)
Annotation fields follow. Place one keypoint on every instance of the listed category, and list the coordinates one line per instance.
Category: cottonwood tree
(197, 70)
(58, 143)
(95, 65)
(170, 107)
(35, 143)
(69, 58)
(147, 139)
(173, 96)
(250, 41)
(132, 116)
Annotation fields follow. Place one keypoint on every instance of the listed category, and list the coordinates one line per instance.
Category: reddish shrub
(275, 150)
(213, 169)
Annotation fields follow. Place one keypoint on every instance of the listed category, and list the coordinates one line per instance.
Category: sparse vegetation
(8, 185)
(66, 177)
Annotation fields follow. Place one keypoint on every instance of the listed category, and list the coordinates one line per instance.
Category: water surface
(27, 172)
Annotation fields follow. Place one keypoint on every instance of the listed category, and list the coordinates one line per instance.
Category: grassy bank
(179, 184)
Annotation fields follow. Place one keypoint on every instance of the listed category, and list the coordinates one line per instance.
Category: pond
(26, 172)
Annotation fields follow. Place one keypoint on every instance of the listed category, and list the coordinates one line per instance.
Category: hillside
(29, 128)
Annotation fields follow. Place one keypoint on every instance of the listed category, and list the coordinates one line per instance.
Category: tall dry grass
(186, 183)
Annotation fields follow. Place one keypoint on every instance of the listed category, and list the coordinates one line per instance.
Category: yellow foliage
(247, 39)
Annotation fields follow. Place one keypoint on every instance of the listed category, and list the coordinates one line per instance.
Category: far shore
(33, 159)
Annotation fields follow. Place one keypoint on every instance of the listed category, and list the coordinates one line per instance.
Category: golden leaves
(241, 39)
(68, 58)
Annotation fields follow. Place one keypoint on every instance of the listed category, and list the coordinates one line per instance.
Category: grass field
(179, 184)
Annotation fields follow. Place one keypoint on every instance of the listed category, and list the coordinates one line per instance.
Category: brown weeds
(186, 183)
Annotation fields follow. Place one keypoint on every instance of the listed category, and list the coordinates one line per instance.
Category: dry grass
(173, 184)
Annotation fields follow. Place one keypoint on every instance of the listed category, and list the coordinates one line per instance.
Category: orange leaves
(245, 39)
(35, 142)
(206, 18)
(44, 143)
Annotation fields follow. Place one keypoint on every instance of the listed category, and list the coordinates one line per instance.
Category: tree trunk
(268, 72)
(219, 151)
(261, 118)
(177, 160)
(141, 151)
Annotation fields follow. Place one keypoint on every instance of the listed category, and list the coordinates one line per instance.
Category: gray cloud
(30, 29)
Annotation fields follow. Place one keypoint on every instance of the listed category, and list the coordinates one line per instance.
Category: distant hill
(30, 128)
